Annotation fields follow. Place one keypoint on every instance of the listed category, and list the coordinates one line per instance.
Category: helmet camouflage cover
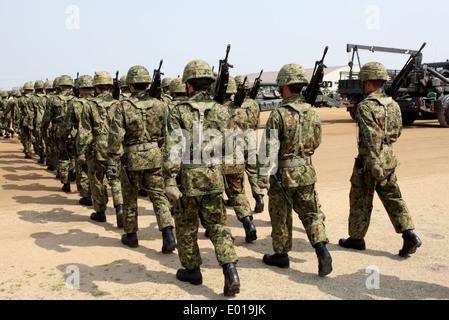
(166, 82)
(176, 86)
(28, 86)
(197, 69)
(239, 80)
(39, 85)
(138, 74)
(85, 81)
(102, 78)
(373, 71)
(65, 80)
(291, 74)
(123, 82)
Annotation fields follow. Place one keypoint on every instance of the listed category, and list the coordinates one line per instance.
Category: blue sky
(40, 41)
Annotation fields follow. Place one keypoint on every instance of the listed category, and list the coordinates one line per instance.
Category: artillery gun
(424, 94)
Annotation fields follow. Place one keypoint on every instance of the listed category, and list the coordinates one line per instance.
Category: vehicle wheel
(443, 117)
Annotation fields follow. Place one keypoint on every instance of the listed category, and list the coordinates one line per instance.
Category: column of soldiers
(129, 145)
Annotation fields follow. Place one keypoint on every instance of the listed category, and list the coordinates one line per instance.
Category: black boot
(259, 203)
(411, 243)
(86, 201)
(66, 187)
(358, 244)
(324, 259)
(168, 240)
(232, 282)
(130, 239)
(143, 193)
(27, 156)
(278, 260)
(191, 276)
(50, 168)
(7, 136)
(250, 229)
(119, 215)
(41, 160)
(98, 216)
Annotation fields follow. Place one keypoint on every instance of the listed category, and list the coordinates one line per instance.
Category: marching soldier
(200, 191)
(138, 131)
(379, 122)
(37, 106)
(24, 117)
(298, 128)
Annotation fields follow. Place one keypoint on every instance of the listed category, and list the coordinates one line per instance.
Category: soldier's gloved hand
(82, 159)
(112, 172)
(377, 172)
(263, 182)
(173, 193)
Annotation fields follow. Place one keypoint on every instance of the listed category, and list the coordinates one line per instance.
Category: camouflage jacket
(177, 100)
(138, 129)
(56, 110)
(253, 110)
(298, 128)
(24, 112)
(93, 132)
(72, 121)
(38, 104)
(197, 180)
(379, 121)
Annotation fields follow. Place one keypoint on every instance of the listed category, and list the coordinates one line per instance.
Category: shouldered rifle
(116, 87)
(240, 96)
(76, 90)
(311, 92)
(399, 81)
(223, 78)
(256, 86)
(155, 90)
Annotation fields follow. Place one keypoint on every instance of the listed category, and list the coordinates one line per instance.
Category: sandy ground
(46, 235)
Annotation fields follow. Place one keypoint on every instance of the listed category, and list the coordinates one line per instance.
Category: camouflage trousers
(27, 139)
(82, 179)
(97, 175)
(305, 202)
(40, 144)
(252, 174)
(153, 182)
(50, 152)
(116, 189)
(66, 162)
(235, 190)
(211, 208)
(361, 202)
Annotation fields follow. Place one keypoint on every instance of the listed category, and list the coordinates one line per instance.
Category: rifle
(223, 78)
(311, 92)
(256, 86)
(241, 94)
(116, 88)
(402, 76)
(76, 90)
(155, 90)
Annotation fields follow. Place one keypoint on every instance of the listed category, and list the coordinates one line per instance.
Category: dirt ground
(46, 235)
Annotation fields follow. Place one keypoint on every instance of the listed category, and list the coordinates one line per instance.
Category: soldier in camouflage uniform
(165, 94)
(37, 106)
(298, 128)
(178, 92)
(92, 142)
(379, 122)
(9, 114)
(234, 172)
(124, 88)
(55, 114)
(71, 126)
(50, 151)
(25, 116)
(200, 191)
(3, 103)
(138, 128)
(253, 112)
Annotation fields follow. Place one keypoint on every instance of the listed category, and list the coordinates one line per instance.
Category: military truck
(425, 94)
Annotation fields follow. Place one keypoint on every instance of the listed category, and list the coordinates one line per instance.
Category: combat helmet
(123, 82)
(85, 81)
(28, 86)
(65, 80)
(239, 80)
(176, 86)
(138, 74)
(48, 85)
(291, 73)
(197, 69)
(166, 82)
(373, 71)
(39, 85)
(232, 86)
(102, 78)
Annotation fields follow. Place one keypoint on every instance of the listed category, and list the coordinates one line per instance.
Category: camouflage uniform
(48, 134)
(165, 94)
(234, 174)
(200, 185)
(178, 92)
(55, 114)
(37, 107)
(139, 125)
(92, 140)
(3, 103)
(70, 128)
(9, 113)
(298, 128)
(25, 119)
(379, 122)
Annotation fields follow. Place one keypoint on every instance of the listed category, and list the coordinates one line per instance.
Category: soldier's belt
(295, 162)
(141, 147)
(385, 147)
